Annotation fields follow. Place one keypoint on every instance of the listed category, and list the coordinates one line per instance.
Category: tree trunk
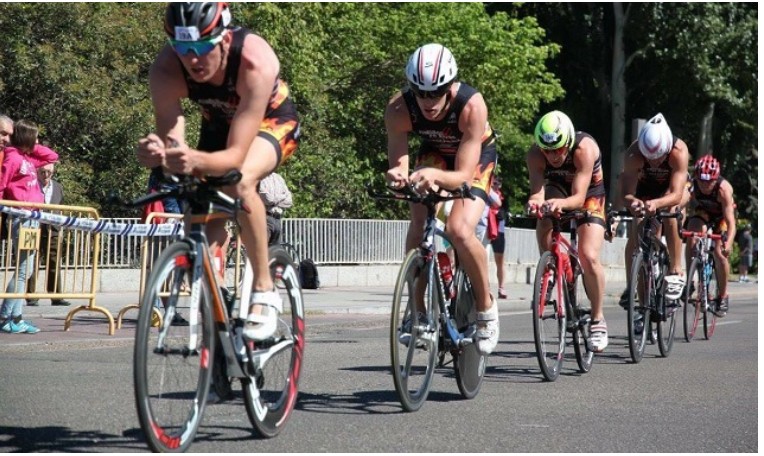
(618, 105)
(706, 135)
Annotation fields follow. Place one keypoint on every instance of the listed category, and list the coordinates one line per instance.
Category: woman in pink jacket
(18, 182)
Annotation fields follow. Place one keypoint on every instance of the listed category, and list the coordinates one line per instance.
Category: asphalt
(92, 327)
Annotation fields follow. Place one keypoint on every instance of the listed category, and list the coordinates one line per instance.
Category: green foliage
(80, 71)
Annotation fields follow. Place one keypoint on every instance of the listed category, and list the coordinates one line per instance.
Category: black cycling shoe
(624, 301)
(721, 307)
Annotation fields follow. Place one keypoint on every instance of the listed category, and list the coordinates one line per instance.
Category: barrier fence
(78, 243)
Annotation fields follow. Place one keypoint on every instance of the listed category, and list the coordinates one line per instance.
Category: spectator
(277, 198)
(6, 130)
(53, 193)
(499, 215)
(745, 242)
(18, 182)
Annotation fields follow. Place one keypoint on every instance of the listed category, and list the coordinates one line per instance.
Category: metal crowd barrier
(76, 258)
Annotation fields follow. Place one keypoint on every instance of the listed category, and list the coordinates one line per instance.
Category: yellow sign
(29, 238)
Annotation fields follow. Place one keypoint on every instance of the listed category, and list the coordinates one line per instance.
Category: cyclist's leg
(694, 223)
(591, 235)
(473, 257)
(275, 143)
(722, 262)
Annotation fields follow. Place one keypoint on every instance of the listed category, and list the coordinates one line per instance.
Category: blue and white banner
(97, 226)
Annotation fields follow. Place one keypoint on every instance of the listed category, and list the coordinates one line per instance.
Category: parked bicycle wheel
(548, 318)
(414, 337)
(709, 318)
(172, 363)
(581, 336)
(638, 314)
(469, 364)
(666, 324)
(270, 393)
(694, 306)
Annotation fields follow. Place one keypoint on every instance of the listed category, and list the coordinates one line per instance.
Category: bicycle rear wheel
(712, 292)
(666, 324)
(271, 393)
(469, 364)
(693, 303)
(638, 315)
(414, 343)
(548, 318)
(172, 363)
(582, 335)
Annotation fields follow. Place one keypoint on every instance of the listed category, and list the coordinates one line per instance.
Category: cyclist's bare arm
(728, 208)
(630, 175)
(398, 126)
(472, 122)
(678, 161)
(584, 159)
(167, 88)
(536, 165)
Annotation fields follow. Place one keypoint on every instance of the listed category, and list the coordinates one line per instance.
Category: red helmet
(707, 168)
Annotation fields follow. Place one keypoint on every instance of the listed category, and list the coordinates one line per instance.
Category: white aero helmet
(655, 138)
(430, 70)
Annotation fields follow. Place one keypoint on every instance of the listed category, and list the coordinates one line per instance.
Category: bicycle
(646, 289)
(448, 323)
(702, 290)
(552, 304)
(174, 364)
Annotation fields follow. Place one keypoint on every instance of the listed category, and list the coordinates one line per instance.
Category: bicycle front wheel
(172, 362)
(413, 332)
(582, 335)
(693, 303)
(667, 322)
(548, 318)
(270, 393)
(712, 296)
(638, 315)
(469, 364)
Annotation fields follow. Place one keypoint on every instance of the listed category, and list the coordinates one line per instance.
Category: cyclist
(248, 121)
(565, 170)
(715, 208)
(655, 177)
(458, 145)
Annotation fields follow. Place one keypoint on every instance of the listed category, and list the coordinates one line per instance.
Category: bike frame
(562, 248)
(703, 251)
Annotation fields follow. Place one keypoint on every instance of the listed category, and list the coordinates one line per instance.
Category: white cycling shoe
(260, 326)
(488, 329)
(674, 286)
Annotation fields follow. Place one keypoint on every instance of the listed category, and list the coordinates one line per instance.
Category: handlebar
(196, 190)
(697, 234)
(430, 198)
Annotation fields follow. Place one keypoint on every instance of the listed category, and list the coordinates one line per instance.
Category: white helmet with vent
(655, 138)
(430, 70)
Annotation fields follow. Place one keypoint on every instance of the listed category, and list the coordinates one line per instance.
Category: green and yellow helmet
(554, 130)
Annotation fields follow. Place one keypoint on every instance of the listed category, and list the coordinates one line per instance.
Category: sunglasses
(433, 94)
(558, 151)
(200, 48)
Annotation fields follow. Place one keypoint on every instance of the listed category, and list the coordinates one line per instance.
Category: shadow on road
(60, 439)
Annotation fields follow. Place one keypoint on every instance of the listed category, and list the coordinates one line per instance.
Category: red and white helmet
(655, 138)
(707, 168)
(430, 70)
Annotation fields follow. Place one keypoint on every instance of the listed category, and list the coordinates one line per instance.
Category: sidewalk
(91, 328)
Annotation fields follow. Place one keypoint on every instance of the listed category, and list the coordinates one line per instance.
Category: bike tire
(636, 311)
(712, 292)
(469, 364)
(693, 305)
(549, 323)
(172, 382)
(413, 367)
(582, 335)
(666, 325)
(270, 394)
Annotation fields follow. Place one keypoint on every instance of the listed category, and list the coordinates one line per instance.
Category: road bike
(175, 364)
(556, 308)
(701, 293)
(647, 304)
(448, 322)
